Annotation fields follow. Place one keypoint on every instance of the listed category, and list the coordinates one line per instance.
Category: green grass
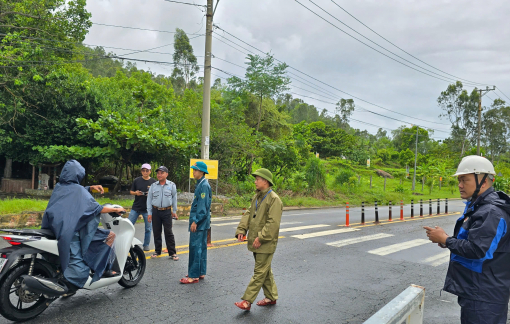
(16, 206)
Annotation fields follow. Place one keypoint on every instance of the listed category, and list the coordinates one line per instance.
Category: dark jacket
(480, 251)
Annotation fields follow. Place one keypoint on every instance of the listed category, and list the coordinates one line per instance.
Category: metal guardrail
(405, 308)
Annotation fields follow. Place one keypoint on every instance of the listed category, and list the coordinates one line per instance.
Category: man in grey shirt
(161, 206)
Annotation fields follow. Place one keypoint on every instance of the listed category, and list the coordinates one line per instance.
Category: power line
(355, 97)
(503, 93)
(401, 48)
(144, 29)
(186, 3)
(391, 58)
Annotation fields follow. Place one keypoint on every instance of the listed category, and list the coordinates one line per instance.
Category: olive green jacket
(266, 223)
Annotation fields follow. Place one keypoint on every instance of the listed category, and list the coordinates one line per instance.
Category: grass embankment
(16, 206)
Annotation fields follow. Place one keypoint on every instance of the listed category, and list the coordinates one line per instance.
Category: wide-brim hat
(264, 174)
(200, 166)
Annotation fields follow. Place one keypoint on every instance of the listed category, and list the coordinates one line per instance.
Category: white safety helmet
(477, 165)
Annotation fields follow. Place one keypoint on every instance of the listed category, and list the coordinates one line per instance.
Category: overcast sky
(465, 38)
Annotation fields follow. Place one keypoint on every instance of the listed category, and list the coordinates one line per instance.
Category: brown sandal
(244, 305)
(265, 302)
(155, 255)
(174, 257)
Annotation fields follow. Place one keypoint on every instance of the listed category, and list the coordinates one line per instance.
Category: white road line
(359, 239)
(385, 250)
(324, 233)
(224, 224)
(290, 223)
(438, 259)
(299, 228)
(237, 223)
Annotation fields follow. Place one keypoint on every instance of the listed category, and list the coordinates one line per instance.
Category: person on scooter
(73, 215)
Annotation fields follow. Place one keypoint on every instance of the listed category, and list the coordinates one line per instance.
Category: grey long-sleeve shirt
(162, 196)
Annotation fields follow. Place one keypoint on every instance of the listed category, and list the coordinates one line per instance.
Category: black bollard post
(421, 207)
(430, 207)
(438, 206)
(376, 214)
(389, 212)
(412, 208)
(446, 206)
(362, 213)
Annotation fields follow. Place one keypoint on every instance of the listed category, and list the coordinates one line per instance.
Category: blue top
(200, 212)
(480, 250)
(162, 196)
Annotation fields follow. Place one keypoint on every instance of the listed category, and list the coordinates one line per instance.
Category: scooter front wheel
(134, 268)
(17, 304)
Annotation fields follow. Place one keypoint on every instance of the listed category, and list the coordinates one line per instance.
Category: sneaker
(146, 248)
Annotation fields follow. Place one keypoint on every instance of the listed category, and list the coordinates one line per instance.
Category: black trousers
(478, 312)
(163, 219)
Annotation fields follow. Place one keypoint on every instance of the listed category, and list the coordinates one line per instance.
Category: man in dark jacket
(479, 269)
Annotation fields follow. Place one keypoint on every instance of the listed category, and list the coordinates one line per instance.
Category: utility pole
(480, 116)
(415, 158)
(206, 107)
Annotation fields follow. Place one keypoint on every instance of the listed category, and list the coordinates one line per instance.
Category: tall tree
(344, 109)
(461, 109)
(263, 78)
(185, 61)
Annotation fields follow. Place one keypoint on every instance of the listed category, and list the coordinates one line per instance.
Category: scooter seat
(47, 233)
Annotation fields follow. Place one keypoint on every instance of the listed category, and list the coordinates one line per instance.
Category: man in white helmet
(479, 269)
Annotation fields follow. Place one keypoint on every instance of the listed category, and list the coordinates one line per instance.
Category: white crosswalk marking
(359, 239)
(438, 259)
(224, 224)
(385, 250)
(299, 228)
(324, 233)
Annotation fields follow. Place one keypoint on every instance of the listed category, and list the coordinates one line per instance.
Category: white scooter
(31, 276)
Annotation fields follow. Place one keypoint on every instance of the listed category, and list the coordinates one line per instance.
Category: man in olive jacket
(262, 223)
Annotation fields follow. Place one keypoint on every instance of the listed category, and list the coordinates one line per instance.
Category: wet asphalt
(317, 283)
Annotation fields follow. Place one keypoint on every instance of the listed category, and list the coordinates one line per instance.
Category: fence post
(430, 207)
(376, 214)
(389, 212)
(412, 208)
(422, 183)
(421, 207)
(370, 181)
(446, 206)
(362, 213)
(438, 206)
(359, 179)
(347, 214)
(384, 184)
(401, 210)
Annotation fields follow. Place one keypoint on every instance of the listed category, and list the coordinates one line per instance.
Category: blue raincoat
(200, 213)
(73, 215)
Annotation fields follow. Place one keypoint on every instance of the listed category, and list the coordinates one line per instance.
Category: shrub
(343, 176)
(315, 175)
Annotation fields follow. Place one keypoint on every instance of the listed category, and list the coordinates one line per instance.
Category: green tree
(185, 61)
(460, 108)
(344, 109)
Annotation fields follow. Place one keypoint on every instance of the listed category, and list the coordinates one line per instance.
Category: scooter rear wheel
(134, 268)
(17, 304)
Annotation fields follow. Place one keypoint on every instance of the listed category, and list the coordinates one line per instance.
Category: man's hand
(139, 193)
(149, 218)
(240, 237)
(256, 243)
(174, 216)
(193, 227)
(436, 235)
(98, 188)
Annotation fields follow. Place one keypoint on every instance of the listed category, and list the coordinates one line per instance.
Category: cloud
(465, 38)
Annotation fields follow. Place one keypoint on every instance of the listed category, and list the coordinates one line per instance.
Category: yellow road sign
(212, 168)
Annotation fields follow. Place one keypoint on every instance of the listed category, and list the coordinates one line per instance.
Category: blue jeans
(133, 216)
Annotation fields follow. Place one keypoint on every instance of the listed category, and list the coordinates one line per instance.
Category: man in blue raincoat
(199, 223)
(479, 269)
(73, 215)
